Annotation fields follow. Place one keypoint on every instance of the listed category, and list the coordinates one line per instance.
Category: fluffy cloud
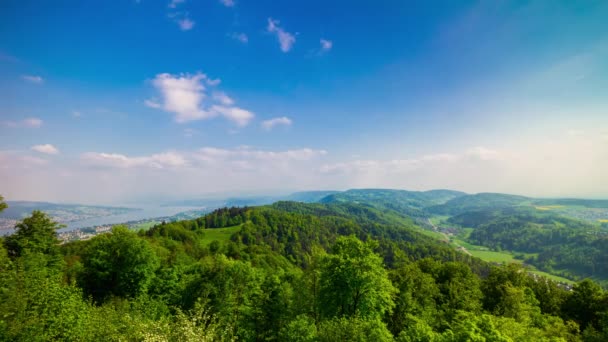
(186, 97)
(271, 123)
(33, 79)
(46, 149)
(326, 45)
(286, 39)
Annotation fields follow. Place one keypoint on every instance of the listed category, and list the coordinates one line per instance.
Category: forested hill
(565, 237)
(283, 272)
(410, 203)
(557, 244)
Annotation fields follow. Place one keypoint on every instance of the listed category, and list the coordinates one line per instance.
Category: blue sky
(131, 99)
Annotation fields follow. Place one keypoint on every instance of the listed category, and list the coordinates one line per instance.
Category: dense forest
(553, 243)
(288, 272)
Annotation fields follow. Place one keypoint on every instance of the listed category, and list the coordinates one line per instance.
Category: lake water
(135, 215)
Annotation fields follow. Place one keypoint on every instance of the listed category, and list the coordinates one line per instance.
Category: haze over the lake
(143, 99)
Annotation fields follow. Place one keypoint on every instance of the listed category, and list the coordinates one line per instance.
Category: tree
(119, 263)
(2, 204)
(417, 296)
(354, 329)
(36, 234)
(354, 282)
(584, 304)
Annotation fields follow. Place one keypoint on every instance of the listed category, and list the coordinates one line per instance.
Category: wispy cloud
(32, 122)
(8, 58)
(222, 98)
(185, 24)
(174, 3)
(76, 114)
(29, 122)
(326, 45)
(202, 158)
(271, 123)
(157, 161)
(186, 97)
(46, 149)
(228, 3)
(239, 36)
(181, 18)
(33, 79)
(286, 39)
(238, 115)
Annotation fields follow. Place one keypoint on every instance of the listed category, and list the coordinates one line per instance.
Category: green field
(145, 225)
(219, 234)
(485, 254)
(491, 256)
(437, 220)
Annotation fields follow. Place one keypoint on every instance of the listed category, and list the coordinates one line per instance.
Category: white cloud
(222, 98)
(185, 24)
(33, 79)
(214, 82)
(242, 153)
(181, 18)
(564, 165)
(186, 97)
(271, 123)
(157, 161)
(286, 39)
(152, 104)
(239, 36)
(201, 158)
(326, 45)
(174, 3)
(46, 149)
(29, 122)
(228, 3)
(76, 114)
(238, 115)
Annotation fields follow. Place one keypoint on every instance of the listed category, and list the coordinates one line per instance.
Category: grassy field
(492, 256)
(485, 254)
(219, 234)
(552, 277)
(437, 220)
(549, 207)
(145, 225)
(433, 234)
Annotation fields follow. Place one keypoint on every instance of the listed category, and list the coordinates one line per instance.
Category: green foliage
(2, 204)
(463, 204)
(34, 234)
(301, 329)
(353, 329)
(354, 282)
(560, 243)
(120, 264)
(289, 272)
